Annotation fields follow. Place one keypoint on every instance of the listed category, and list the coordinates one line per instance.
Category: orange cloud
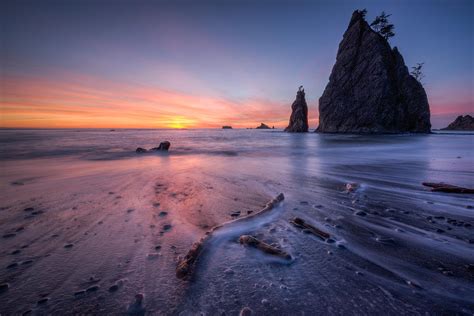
(82, 101)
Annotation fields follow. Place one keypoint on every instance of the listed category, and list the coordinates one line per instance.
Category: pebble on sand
(43, 301)
(246, 311)
(4, 287)
(136, 308)
(68, 246)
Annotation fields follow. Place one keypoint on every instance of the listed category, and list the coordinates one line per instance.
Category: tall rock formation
(461, 123)
(370, 89)
(299, 114)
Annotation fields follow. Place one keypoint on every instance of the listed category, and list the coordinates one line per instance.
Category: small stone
(246, 311)
(79, 293)
(130, 210)
(166, 227)
(43, 301)
(113, 288)
(27, 262)
(163, 213)
(29, 209)
(9, 235)
(12, 265)
(360, 213)
(15, 252)
(68, 246)
(158, 247)
(93, 288)
(4, 287)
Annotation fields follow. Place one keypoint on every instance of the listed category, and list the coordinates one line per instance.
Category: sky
(201, 64)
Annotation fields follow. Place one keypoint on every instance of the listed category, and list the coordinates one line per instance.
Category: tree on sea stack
(299, 114)
(417, 73)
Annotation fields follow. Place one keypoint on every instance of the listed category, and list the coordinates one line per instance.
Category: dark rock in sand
(246, 311)
(4, 287)
(163, 213)
(370, 89)
(136, 308)
(43, 301)
(163, 146)
(93, 288)
(12, 265)
(447, 188)
(140, 150)
(68, 246)
(461, 123)
(263, 126)
(113, 288)
(226, 127)
(29, 209)
(299, 114)
(9, 235)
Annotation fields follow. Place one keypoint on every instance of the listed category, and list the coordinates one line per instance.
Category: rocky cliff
(461, 123)
(370, 89)
(299, 114)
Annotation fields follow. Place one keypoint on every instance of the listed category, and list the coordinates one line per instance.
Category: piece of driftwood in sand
(447, 188)
(269, 249)
(300, 223)
(186, 264)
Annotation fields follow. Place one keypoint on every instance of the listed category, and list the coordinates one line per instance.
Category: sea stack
(299, 114)
(461, 123)
(370, 89)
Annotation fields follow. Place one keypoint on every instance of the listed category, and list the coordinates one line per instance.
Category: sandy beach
(86, 231)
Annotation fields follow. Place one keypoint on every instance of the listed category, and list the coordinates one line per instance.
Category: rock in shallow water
(299, 114)
(370, 89)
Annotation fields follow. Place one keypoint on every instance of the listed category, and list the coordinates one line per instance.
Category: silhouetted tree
(417, 73)
(363, 12)
(381, 25)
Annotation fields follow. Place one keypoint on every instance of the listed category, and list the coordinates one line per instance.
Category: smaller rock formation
(164, 146)
(263, 126)
(299, 114)
(461, 123)
(226, 127)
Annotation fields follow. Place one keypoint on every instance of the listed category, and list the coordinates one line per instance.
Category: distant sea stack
(263, 126)
(299, 114)
(370, 89)
(461, 123)
(226, 127)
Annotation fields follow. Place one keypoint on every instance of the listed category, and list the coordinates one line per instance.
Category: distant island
(263, 126)
(226, 127)
(461, 123)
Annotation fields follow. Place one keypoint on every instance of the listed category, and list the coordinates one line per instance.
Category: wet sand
(85, 236)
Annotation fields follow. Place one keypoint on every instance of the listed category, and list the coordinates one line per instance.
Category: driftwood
(447, 188)
(269, 249)
(300, 223)
(186, 264)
